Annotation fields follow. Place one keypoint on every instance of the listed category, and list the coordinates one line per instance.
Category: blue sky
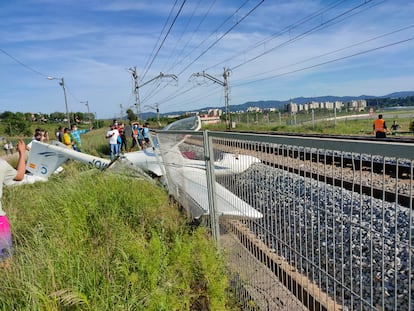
(272, 50)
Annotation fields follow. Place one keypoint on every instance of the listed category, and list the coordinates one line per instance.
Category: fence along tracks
(388, 178)
(377, 177)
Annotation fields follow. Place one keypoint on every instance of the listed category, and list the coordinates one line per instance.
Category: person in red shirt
(121, 130)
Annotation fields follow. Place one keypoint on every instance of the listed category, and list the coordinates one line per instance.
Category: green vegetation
(92, 240)
(105, 241)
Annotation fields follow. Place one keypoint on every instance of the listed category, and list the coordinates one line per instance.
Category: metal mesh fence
(304, 223)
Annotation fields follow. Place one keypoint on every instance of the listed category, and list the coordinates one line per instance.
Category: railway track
(379, 169)
(402, 170)
(307, 218)
(399, 139)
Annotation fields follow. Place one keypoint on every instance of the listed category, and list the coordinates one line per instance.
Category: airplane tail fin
(43, 161)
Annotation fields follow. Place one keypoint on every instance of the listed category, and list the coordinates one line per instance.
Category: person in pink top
(8, 176)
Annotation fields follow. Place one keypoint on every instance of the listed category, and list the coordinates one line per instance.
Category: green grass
(91, 240)
(106, 241)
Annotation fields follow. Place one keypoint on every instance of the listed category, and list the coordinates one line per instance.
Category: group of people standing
(71, 137)
(117, 137)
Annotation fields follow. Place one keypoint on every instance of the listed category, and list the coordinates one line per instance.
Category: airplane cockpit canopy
(187, 124)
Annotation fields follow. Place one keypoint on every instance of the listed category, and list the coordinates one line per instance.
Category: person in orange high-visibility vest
(380, 127)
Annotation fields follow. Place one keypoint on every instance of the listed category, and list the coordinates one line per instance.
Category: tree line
(20, 123)
(390, 102)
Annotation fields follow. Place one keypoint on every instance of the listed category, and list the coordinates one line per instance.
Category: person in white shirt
(6, 148)
(11, 148)
(112, 135)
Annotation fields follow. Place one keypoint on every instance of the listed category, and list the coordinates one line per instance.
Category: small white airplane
(187, 175)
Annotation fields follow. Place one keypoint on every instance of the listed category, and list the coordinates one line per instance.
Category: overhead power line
(303, 34)
(277, 34)
(330, 61)
(193, 33)
(181, 35)
(222, 36)
(158, 40)
(23, 64)
(37, 72)
(216, 30)
(165, 37)
(337, 50)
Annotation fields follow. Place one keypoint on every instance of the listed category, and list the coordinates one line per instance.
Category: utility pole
(226, 73)
(89, 114)
(136, 92)
(156, 107)
(62, 84)
(137, 87)
(225, 84)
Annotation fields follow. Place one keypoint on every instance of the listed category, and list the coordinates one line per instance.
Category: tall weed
(106, 241)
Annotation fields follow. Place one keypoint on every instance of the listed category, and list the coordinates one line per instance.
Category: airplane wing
(228, 164)
(188, 176)
(145, 160)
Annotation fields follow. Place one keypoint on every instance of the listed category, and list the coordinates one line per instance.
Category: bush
(105, 241)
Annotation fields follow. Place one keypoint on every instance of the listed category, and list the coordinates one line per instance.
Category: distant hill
(304, 100)
(398, 94)
(298, 100)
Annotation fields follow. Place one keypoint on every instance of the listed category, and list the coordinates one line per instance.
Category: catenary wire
(329, 61)
(303, 34)
(178, 40)
(250, 82)
(192, 34)
(337, 50)
(290, 27)
(215, 31)
(158, 40)
(165, 37)
(277, 34)
(222, 36)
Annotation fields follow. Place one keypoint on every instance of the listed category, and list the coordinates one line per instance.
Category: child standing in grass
(8, 175)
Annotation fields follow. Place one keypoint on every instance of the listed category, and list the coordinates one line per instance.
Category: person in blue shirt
(145, 134)
(75, 137)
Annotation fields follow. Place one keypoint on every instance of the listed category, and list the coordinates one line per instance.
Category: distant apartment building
(214, 112)
(253, 109)
(292, 107)
(328, 105)
(313, 105)
(357, 105)
(192, 113)
(211, 116)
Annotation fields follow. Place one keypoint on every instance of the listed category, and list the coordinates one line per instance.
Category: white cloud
(92, 43)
